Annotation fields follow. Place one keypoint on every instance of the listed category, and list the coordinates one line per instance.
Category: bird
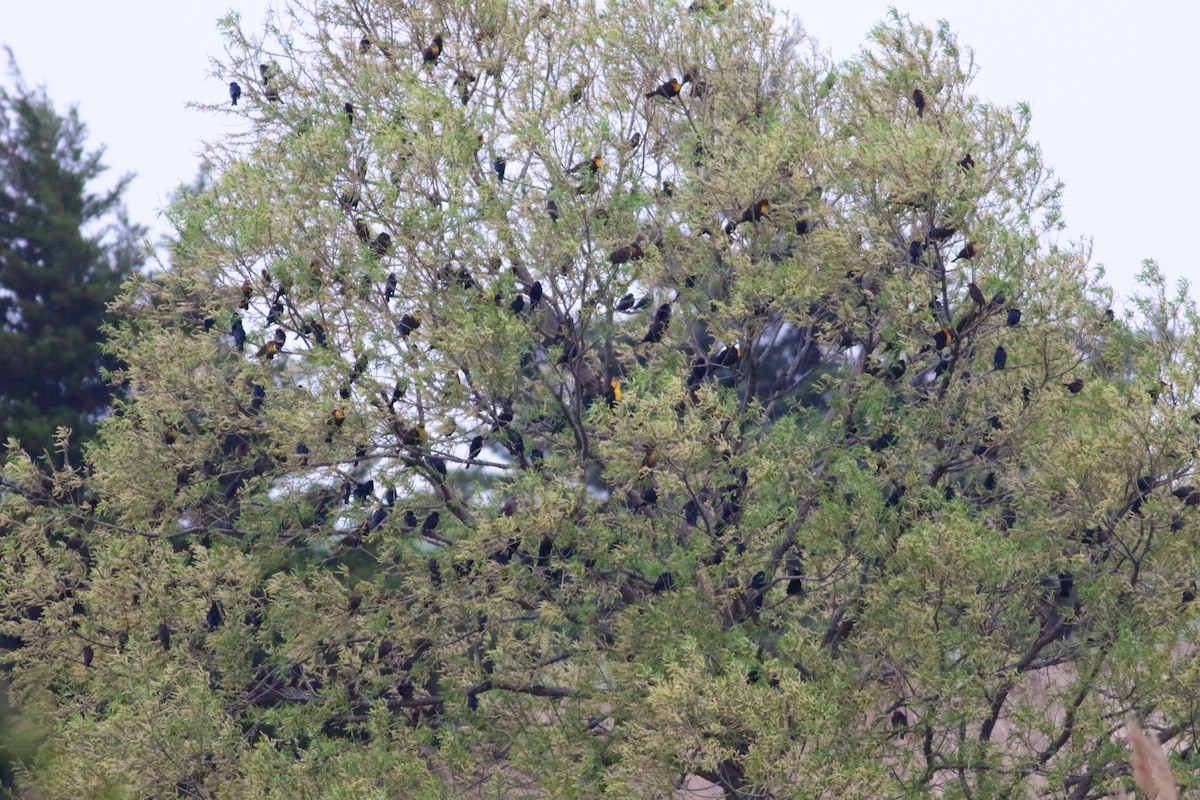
(1014, 316)
(431, 522)
(518, 304)
(239, 334)
(626, 302)
(664, 583)
(976, 294)
(213, 618)
(966, 162)
(389, 290)
(970, 250)
(728, 357)
(634, 141)
(1075, 386)
(552, 210)
(362, 230)
(407, 324)
(349, 109)
(594, 164)
(630, 252)
(650, 459)
(433, 52)
(915, 250)
(164, 636)
(235, 91)
(667, 89)
(942, 338)
(88, 655)
(535, 293)
(463, 84)
(1000, 358)
(795, 584)
(918, 98)
(381, 244)
(753, 213)
(499, 165)
(613, 393)
(662, 318)
(474, 449)
(942, 233)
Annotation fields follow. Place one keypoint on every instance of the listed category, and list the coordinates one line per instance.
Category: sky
(1111, 87)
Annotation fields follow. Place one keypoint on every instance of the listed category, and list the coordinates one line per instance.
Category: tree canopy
(64, 251)
(576, 400)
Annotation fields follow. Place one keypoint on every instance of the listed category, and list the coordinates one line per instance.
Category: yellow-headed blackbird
(613, 393)
(235, 92)
(499, 166)
(668, 89)
(976, 294)
(625, 303)
(407, 324)
(942, 338)
(662, 318)
(755, 212)
(966, 162)
(433, 52)
(337, 417)
(362, 230)
(1014, 317)
(630, 252)
(349, 109)
(1075, 386)
(943, 233)
(1000, 358)
(381, 244)
(969, 251)
(594, 164)
(918, 98)
(269, 350)
(247, 293)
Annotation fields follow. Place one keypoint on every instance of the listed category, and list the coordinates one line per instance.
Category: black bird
(410, 521)
(389, 290)
(474, 449)
(518, 305)
(433, 52)
(552, 210)
(381, 244)
(88, 655)
(349, 109)
(378, 518)
(942, 233)
(915, 250)
(431, 522)
(537, 458)
(942, 338)
(302, 451)
(970, 250)
(918, 98)
(362, 230)
(164, 636)
(535, 293)
(408, 323)
(235, 92)
(728, 357)
(668, 89)
(691, 513)
(1014, 316)
(795, 584)
(1075, 386)
(967, 162)
(1000, 358)
(662, 318)
(626, 302)
(239, 334)
(364, 45)
(664, 583)
(499, 165)
(213, 617)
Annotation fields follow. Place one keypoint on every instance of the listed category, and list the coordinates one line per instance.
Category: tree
(64, 251)
(567, 402)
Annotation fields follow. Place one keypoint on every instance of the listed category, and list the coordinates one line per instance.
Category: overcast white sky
(1112, 87)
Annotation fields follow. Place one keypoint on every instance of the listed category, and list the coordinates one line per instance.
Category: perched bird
(389, 289)
(552, 210)
(407, 324)
(728, 357)
(431, 522)
(969, 251)
(942, 233)
(630, 252)
(362, 230)
(634, 141)
(381, 244)
(626, 302)
(433, 52)
(1075, 386)
(535, 293)
(650, 458)
(662, 318)
(664, 583)
(499, 165)
(918, 98)
(753, 213)
(474, 449)
(164, 636)
(594, 164)
(613, 393)
(518, 304)
(1000, 358)
(795, 584)
(463, 84)
(235, 92)
(942, 338)
(349, 109)
(88, 655)
(213, 618)
(915, 250)
(1014, 317)
(239, 334)
(668, 89)
(976, 294)
(966, 162)
(364, 45)
(302, 451)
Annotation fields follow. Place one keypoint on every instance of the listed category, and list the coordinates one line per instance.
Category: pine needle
(1151, 770)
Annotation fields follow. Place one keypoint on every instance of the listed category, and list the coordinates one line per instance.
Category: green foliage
(800, 550)
(64, 251)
